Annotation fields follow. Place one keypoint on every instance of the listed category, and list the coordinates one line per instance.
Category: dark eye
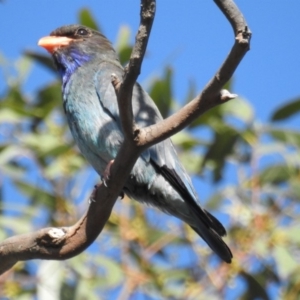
(82, 32)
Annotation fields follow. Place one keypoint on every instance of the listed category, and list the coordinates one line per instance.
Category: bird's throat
(68, 63)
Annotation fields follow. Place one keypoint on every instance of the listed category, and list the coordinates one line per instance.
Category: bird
(85, 60)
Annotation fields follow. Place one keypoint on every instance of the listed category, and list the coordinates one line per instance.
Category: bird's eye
(82, 32)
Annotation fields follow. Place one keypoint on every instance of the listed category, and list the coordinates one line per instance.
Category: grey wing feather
(108, 100)
(163, 155)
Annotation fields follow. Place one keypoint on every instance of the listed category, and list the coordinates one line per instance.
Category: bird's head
(74, 45)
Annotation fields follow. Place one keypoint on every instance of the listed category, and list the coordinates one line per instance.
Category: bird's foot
(106, 174)
(122, 195)
(93, 195)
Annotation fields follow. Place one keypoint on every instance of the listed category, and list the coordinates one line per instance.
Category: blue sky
(191, 35)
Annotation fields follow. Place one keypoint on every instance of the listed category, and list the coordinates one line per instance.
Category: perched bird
(85, 60)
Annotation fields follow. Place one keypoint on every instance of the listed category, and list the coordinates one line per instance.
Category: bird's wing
(163, 155)
(107, 96)
(105, 91)
(164, 158)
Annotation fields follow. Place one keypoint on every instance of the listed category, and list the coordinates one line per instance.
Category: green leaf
(225, 138)
(123, 46)
(65, 164)
(15, 101)
(42, 59)
(8, 115)
(23, 66)
(44, 145)
(254, 290)
(286, 111)
(229, 84)
(292, 233)
(238, 108)
(124, 54)
(110, 271)
(14, 170)
(264, 149)
(191, 160)
(286, 263)
(113, 271)
(14, 98)
(123, 37)
(16, 104)
(261, 247)
(18, 225)
(48, 98)
(286, 136)
(67, 291)
(191, 92)
(212, 115)
(293, 288)
(36, 194)
(161, 92)
(186, 141)
(276, 174)
(294, 190)
(214, 201)
(85, 18)
(9, 152)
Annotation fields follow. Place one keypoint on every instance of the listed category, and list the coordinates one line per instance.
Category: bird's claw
(93, 195)
(91, 200)
(106, 174)
(122, 195)
(104, 181)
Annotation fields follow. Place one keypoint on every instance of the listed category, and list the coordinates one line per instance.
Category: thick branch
(61, 243)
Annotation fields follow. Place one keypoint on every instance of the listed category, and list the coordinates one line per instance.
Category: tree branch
(212, 94)
(233, 15)
(132, 70)
(63, 243)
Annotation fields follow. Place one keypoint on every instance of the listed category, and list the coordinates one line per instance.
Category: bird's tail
(207, 226)
(212, 235)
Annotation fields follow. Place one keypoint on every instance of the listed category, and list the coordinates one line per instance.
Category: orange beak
(51, 43)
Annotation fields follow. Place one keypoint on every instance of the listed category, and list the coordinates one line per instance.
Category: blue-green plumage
(86, 63)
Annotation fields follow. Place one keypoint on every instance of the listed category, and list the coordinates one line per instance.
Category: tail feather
(207, 226)
(216, 224)
(215, 242)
